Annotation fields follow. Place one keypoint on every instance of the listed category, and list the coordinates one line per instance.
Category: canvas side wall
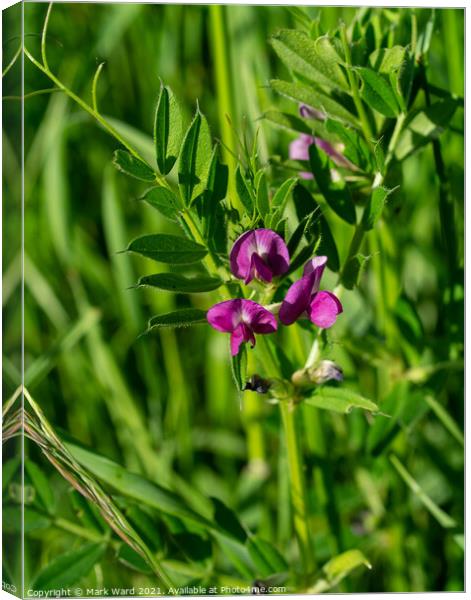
(12, 299)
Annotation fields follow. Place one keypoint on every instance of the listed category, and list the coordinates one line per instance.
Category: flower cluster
(262, 254)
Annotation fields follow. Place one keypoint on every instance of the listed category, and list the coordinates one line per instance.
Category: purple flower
(304, 296)
(307, 112)
(259, 253)
(242, 319)
(299, 150)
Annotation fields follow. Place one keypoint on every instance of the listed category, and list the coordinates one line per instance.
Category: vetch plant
(247, 245)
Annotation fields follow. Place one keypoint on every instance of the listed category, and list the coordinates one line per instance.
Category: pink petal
(273, 250)
(296, 301)
(242, 333)
(335, 155)
(225, 316)
(241, 255)
(260, 269)
(323, 309)
(258, 318)
(314, 269)
(299, 148)
(307, 112)
(306, 175)
(272, 257)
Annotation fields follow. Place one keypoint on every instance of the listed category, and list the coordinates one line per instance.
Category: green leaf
(317, 226)
(41, 485)
(239, 368)
(244, 191)
(397, 63)
(441, 516)
(340, 566)
(424, 126)
(10, 467)
(266, 557)
(178, 318)
(163, 200)
(167, 248)
(87, 512)
(314, 98)
(377, 93)
(132, 166)
(339, 400)
(218, 176)
(227, 521)
(131, 559)
(194, 159)
(33, 520)
(261, 185)
(174, 282)
(168, 130)
(279, 202)
(337, 195)
(133, 485)
(356, 149)
(69, 568)
(282, 193)
(287, 121)
(316, 60)
(375, 207)
(446, 419)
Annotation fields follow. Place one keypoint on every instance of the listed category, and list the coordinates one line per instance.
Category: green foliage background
(164, 406)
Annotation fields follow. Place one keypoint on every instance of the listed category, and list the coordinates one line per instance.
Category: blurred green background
(165, 405)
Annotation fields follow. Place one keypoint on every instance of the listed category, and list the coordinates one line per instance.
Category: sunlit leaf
(163, 200)
(318, 100)
(340, 400)
(315, 59)
(167, 248)
(168, 130)
(69, 568)
(174, 282)
(377, 93)
(194, 159)
(132, 166)
(178, 318)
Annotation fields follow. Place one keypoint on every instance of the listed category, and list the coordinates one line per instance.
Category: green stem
(446, 206)
(224, 91)
(299, 498)
(79, 531)
(251, 416)
(354, 87)
(87, 108)
(44, 36)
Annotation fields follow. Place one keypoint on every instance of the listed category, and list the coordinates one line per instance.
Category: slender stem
(295, 463)
(44, 36)
(251, 413)
(87, 108)
(79, 531)
(224, 91)
(12, 62)
(445, 205)
(354, 86)
(298, 485)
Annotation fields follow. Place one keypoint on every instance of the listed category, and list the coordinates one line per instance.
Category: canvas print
(232, 299)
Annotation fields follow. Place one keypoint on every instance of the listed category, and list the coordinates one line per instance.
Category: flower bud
(320, 373)
(325, 371)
